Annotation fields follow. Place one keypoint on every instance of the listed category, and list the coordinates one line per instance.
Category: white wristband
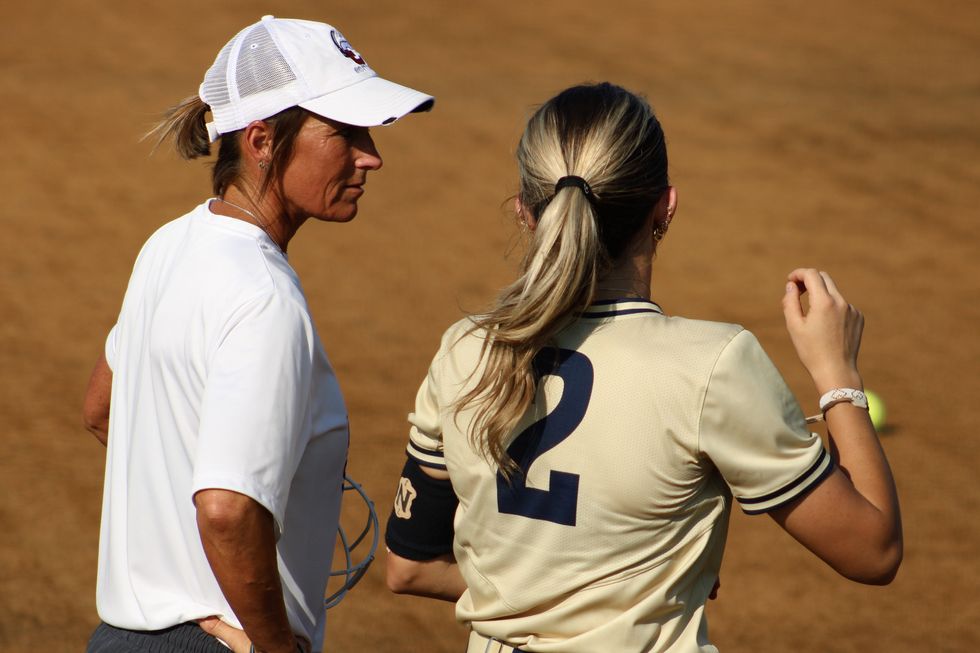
(838, 395)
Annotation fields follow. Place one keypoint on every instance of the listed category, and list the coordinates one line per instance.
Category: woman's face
(328, 170)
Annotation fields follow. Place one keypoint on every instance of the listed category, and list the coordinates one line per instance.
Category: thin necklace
(632, 292)
(258, 222)
(613, 289)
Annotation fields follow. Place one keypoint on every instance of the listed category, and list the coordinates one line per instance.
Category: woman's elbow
(223, 514)
(879, 569)
(400, 574)
(97, 425)
(891, 561)
(98, 397)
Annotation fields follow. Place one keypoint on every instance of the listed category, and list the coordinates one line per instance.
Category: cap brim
(369, 103)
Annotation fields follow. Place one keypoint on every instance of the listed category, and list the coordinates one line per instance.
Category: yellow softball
(876, 408)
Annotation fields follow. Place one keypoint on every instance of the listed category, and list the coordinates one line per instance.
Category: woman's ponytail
(610, 144)
(185, 124)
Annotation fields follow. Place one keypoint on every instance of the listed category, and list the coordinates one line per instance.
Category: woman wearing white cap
(228, 434)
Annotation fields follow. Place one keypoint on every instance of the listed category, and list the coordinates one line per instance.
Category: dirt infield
(836, 134)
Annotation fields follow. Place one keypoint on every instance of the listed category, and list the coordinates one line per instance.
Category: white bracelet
(838, 395)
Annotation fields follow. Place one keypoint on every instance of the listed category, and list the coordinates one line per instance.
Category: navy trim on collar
(616, 307)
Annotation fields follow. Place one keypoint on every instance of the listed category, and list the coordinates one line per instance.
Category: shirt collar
(605, 308)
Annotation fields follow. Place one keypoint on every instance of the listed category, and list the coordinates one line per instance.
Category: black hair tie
(573, 180)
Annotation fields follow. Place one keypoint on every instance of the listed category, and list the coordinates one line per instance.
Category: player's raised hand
(827, 336)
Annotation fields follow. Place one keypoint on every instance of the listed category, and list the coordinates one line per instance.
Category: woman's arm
(438, 578)
(430, 516)
(95, 408)
(852, 519)
(238, 535)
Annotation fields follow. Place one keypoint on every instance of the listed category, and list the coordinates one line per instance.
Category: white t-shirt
(219, 381)
(643, 428)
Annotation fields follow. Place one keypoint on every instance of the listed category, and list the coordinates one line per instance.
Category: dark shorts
(182, 638)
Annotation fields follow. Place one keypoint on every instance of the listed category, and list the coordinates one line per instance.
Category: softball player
(595, 445)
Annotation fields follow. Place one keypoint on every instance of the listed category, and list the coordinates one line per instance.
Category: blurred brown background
(839, 134)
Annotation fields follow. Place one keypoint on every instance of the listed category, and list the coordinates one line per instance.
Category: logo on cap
(345, 47)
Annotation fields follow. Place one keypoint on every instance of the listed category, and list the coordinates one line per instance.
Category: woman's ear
(256, 142)
(527, 220)
(671, 203)
(663, 212)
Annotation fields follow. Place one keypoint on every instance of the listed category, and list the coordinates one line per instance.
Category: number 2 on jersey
(558, 503)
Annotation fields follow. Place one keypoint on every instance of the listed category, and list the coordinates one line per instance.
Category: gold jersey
(610, 537)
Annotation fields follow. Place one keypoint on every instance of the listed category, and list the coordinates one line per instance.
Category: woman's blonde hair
(610, 138)
(185, 125)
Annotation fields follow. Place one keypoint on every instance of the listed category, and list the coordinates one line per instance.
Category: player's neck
(265, 213)
(619, 288)
(630, 276)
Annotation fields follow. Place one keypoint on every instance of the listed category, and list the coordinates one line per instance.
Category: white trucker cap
(278, 63)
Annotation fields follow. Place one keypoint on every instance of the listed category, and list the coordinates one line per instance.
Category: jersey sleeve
(255, 414)
(425, 434)
(754, 432)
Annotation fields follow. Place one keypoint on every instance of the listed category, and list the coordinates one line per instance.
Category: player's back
(606, 537)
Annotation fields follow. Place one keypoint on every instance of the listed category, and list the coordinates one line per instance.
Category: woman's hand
(233, 637)
(828, 336)
(237, 639)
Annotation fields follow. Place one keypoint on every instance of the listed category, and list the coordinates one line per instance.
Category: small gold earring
(262, 165)
(659, 232)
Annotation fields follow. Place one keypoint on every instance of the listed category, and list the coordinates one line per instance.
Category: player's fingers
(792, 307)
(813, 283)
(809, 279)
(831, 287)
(804, 280)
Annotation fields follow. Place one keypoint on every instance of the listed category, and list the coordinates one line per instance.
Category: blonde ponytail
(559, 277)
(610, 138)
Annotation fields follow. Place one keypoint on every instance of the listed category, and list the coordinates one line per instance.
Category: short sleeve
(754, 432)
(425, 443)
(256, 414)
(111, 346)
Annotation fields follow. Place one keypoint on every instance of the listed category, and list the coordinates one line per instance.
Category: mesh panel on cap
(260, 66)
(215, 88)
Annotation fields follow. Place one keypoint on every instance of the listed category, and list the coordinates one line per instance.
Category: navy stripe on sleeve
(426, 457)
(791, 491)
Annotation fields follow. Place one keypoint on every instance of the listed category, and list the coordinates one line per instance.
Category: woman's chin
(339, 214)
